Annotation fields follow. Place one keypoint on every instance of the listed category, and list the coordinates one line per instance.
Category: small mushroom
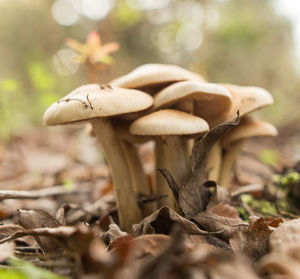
(167, 127)
(97, 104)
(151, 78)
(212, 101)
(207, 100)
(234, 141)
(246, 99)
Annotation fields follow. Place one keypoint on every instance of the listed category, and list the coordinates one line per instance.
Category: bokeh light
(95, 9)
(63, 62)
(189, 37)
(190, 11)
(147, 4)
(64, 12)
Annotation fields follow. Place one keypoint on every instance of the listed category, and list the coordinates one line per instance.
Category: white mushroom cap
(168, 122)
(249, 127)
(246, 99)
(149, 75)
(213, 100)
(92, 101)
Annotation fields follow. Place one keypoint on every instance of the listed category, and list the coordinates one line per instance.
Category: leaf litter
(77, 234)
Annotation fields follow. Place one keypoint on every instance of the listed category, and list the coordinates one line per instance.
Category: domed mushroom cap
(249, 127)
(212, 100)
(93, 101)
(247, 99)
(152, 75)
(168, 122)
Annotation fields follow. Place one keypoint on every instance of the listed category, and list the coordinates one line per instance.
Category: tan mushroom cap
(247, 99)
(168, 122)
(212, 99)
(155, 74)
(249, 127)
(93, 101)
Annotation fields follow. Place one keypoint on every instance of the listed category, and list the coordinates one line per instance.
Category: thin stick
(41, 193)
(247, 189)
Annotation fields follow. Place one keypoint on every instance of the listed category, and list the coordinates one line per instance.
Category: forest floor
(58, 212)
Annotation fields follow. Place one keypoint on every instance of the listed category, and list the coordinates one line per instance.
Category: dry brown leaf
(148, 245)
(113, 233)
(255, 241)
(221, 218)
(71, 238)
(227, 265)
(32, 219)
(286, 236)
(192, 196)
(281, 265)
(219, 195)
(8, 230)
(162, 221)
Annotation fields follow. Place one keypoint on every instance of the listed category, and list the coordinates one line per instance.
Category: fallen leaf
(31, 219)
(286, 236)
(113, 233)
(8, 230)
(228, 265)
(221, 218)
(203, 146)
(219, 195)
(192, 196)
(160, 265)
(162, 221)
(278, 265)
(71, 238)
(148, 245)
(255, 241)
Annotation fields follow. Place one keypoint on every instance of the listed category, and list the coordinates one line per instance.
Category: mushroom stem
(170, 154)
(176, 158)
(187, 145)
(161, 185)
(214, 161)
(139, 178)
(231, 154)
(128, 210)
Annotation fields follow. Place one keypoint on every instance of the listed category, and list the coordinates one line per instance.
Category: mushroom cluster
(172, 107)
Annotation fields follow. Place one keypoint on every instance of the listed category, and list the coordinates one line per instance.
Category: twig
(101, 205)
(42, 193)
(247, 189)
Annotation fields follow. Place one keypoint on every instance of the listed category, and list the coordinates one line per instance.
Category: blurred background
(245, 42)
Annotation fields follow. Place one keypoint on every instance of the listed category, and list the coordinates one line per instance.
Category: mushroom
(97, 104)
(128, 142)
(151, 78)
(234, 141)
(166, 126)
(213, 101)
(246, 99)
(207, 100)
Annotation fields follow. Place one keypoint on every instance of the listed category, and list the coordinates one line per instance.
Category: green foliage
(26, 270)
(263, 206)
(9, 95)
(239, 30)
(284, 181)
(269, 156)
(42, 80)
(126, 16)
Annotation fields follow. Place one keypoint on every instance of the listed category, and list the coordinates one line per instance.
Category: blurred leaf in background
(26, 270)
(93, 53)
